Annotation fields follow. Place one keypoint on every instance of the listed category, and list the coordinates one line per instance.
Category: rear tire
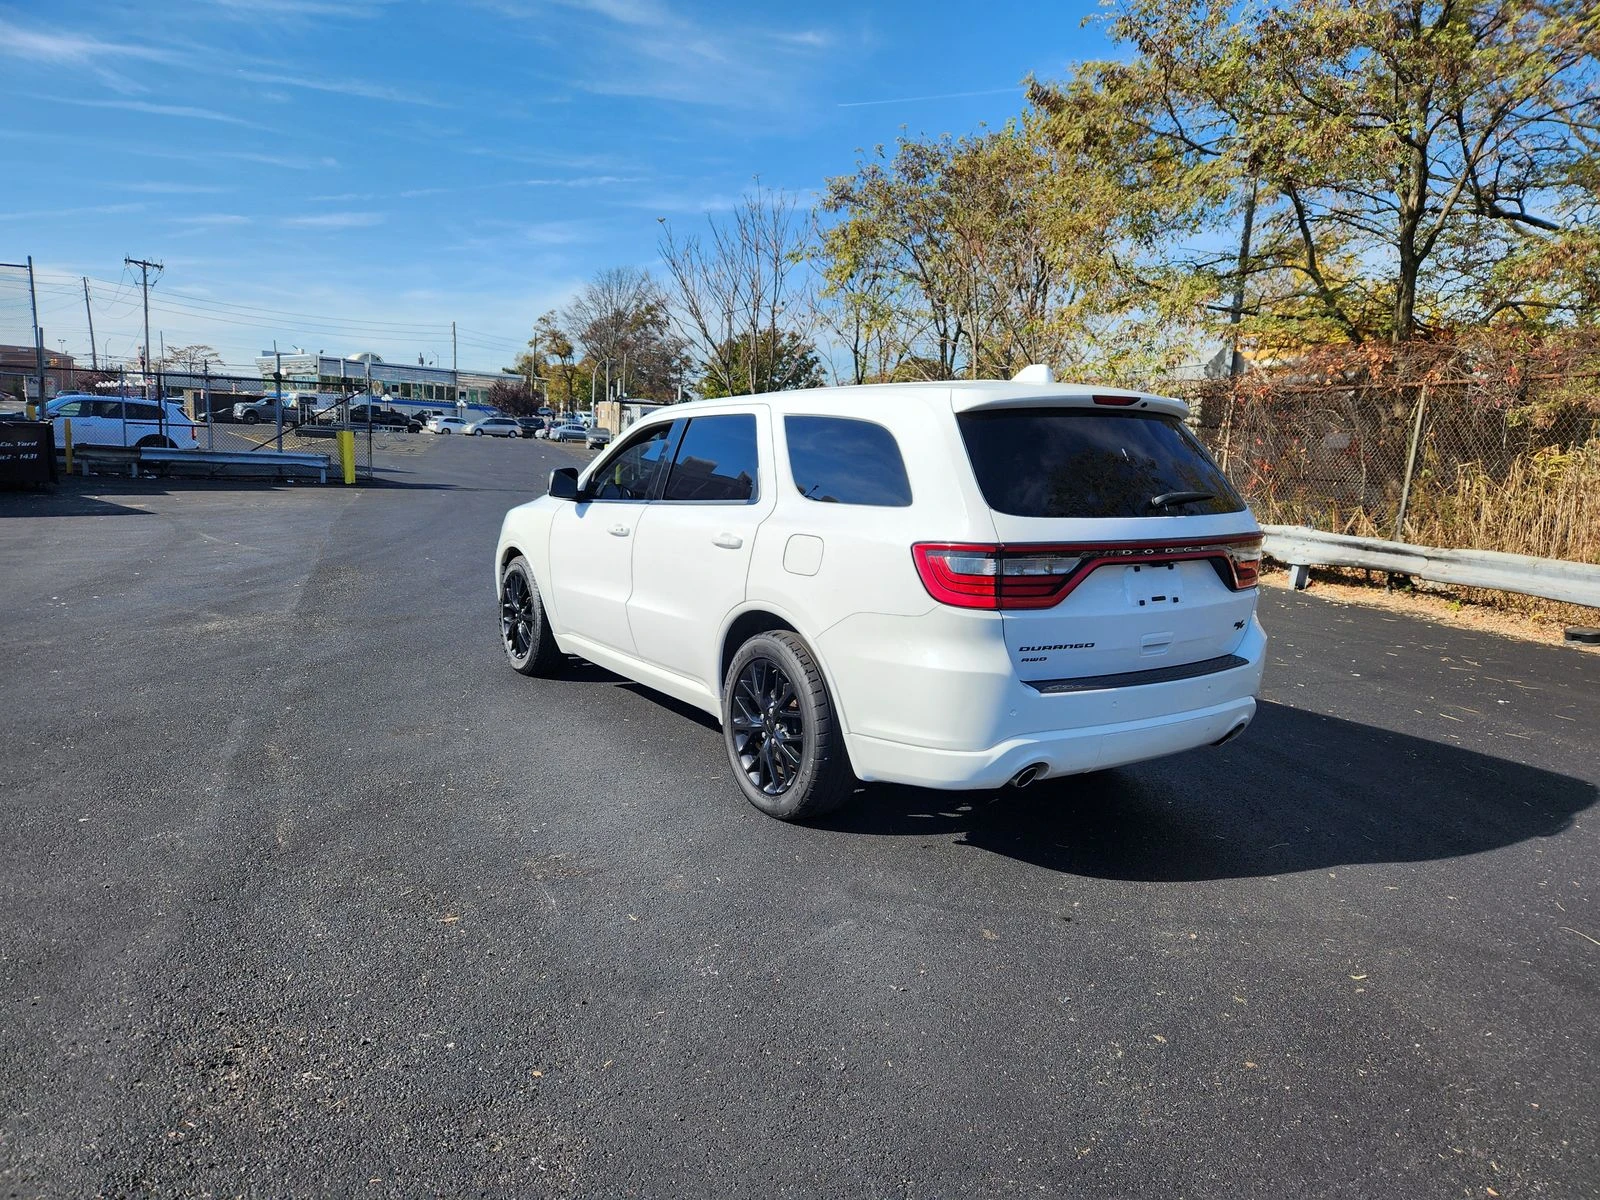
(524, 629)
(155, 441)
(774, 700)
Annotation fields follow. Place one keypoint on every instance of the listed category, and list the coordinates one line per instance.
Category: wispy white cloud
(647, 48)
(160, 110)
(85, 52)
(344, 9)
(344, 87)
(814, 39)
(582, 181)
(335, 220)
(1017, 88)
(87, 210)
(306, 162)
(212, 219)
(681, 203)
(160, 187)
(498, 234)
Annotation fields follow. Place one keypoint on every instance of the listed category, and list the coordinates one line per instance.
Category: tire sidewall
(786, 805)
(519, 566)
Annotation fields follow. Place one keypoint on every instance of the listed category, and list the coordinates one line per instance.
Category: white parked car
(445, 425)
(495, 427)
(122, 421)
(953, 585)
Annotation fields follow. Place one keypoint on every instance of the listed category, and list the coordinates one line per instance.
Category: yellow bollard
(347, 454)
(66, 424)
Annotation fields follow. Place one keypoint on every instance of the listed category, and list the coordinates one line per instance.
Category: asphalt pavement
(305, 892)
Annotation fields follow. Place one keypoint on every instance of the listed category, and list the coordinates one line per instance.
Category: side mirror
(564, 483)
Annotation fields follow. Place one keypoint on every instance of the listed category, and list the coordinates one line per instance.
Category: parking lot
(307, 893)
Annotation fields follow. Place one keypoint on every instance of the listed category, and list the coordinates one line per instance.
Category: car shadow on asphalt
(1299, 791)
(62, 504)
(581, 671)
(94, 495)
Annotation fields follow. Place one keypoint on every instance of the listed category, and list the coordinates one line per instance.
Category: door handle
(619, 531)
(728, 541)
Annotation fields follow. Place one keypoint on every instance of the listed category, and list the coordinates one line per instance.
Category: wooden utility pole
(144, 271)
(94, 355)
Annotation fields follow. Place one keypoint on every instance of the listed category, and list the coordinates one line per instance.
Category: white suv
(953, 585)
(119, 421)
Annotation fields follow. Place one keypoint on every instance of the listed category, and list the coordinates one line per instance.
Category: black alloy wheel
(769, 732)
(781, 730)
(524, 632)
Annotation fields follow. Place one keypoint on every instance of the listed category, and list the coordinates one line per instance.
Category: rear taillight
(1245, 559)
(1033, 576)
(992, 577)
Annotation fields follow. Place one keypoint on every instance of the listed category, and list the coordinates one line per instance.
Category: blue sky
(354, 174)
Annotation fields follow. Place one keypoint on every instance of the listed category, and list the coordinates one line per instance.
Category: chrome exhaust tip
(1028, 774)
(1232, 733)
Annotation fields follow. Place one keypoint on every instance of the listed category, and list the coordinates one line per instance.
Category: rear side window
(1074, 462)
(143, 412)
(839, 460)
(717, 460)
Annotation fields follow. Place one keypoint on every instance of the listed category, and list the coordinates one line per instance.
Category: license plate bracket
(1153, 585)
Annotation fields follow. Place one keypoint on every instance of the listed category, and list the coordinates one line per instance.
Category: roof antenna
(1034, 373)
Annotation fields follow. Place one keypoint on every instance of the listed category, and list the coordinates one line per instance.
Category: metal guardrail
(1553, 578)
(255, 462)
(278, 462)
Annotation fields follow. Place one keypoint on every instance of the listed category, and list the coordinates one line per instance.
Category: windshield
(1075, 462)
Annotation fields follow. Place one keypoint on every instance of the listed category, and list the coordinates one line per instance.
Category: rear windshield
(1074, 462)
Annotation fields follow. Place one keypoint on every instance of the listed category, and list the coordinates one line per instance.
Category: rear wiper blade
(1167, 499)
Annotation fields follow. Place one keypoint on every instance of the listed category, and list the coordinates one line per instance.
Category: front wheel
(524, 629)
(251, 418)
(782, 735)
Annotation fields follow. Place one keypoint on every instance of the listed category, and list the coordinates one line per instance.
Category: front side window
(716, 461)
(840, 460)
(631, 473)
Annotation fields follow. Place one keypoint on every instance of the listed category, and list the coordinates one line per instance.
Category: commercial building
(414, 383)
(618, 415)
(19, 373)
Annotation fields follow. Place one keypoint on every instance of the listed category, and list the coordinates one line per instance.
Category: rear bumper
(1065, 752)
(946, 710)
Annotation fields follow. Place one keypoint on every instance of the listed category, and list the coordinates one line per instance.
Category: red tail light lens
(1033, 576)
(1245, 558)
(1117, 401)
(992, 578)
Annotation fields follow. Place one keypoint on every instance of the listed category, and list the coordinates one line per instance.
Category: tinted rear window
(1073, 462)
(838, 460)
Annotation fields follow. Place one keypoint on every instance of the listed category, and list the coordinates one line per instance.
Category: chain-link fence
(1488, 447)
(235, 413)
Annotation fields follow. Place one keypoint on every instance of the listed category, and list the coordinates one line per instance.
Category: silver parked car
(495, 427)
(568, 433)
(598, 438)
